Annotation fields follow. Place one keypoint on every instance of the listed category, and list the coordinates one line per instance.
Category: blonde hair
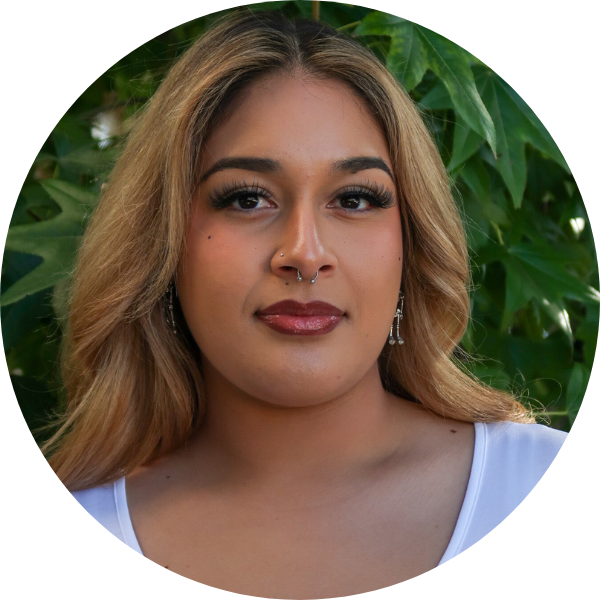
(134, 389)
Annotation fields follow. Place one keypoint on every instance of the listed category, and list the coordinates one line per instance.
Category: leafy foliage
(535, 300)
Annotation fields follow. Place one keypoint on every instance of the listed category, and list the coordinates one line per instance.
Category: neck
(329, 438)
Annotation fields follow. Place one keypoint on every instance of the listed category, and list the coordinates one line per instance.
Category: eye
(364, 198)
(249, 201)
(354, 202)
(241, 198)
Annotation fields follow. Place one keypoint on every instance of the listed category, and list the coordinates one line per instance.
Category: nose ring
(299, 276)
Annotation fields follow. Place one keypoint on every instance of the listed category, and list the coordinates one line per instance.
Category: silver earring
(398, 316)
(299, 277)
(170, 313)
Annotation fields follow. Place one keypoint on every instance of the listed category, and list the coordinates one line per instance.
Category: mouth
(295, 318)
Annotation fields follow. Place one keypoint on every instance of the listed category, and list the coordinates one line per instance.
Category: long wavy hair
(134, 389)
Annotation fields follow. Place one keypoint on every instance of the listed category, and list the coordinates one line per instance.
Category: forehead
(301, 121)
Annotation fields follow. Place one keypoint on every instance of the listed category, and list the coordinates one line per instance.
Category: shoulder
(96, 500)
(517, 451)
(509, 459)
(100, 503)
(108, 505)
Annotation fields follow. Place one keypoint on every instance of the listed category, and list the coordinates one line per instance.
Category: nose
(304, 249)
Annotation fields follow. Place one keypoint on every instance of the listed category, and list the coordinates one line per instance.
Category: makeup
(357, 198)
(295, 318)
(293, 325)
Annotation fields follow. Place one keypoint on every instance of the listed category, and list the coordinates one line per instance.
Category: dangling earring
(170, 313)
(397, 318)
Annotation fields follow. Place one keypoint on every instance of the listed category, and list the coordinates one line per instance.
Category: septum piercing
(299, 277)
(312, 280)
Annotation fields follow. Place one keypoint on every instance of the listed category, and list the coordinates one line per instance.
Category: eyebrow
(361, 163)
(267, 165)
(247, 163)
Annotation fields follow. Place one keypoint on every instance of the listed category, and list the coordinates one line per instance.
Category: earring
(298, 276)
(170, 313)
(398, 316)
(315, 277)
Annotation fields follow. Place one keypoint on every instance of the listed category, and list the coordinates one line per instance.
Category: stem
(32, 215)
(498, 233)
(348, 26)
(315, 10)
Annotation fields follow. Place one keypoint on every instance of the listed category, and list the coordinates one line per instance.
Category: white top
(508, 461)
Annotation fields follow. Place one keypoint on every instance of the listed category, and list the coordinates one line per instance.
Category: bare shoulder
(429, 434)
(150, 486)
(436, 455)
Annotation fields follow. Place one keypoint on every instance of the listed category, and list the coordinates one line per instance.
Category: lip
(293, 307)
(296, 318)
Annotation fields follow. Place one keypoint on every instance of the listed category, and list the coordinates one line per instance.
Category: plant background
(535, 302)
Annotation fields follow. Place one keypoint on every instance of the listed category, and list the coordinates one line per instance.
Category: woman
(258, 355)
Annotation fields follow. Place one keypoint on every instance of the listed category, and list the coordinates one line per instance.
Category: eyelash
(378, 196)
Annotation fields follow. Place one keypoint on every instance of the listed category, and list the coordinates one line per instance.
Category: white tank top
(508, 461)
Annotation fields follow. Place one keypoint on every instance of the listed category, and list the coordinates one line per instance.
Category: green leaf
(405, 57)
(529, 362)
(414, 49)
(477, 226)
(259, 6)
(551, 267)
(560, 316)
(520, 289)
(378, 23)
(464, 144)
(587, 332)
(578, 382)
(21, 317)
(304, 8)
(33, 204)
(491, 374)
(88, 160)
(437, 98)
(44, 156)
(54, 240)
(475, 175)
(533, 271)
(515, 125)
(36, 403)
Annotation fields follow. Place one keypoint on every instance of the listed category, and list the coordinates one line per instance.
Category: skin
(305, 479)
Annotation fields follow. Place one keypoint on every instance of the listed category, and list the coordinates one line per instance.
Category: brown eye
(248, 201)
(351, 202)
(364, 199)
(241, 198)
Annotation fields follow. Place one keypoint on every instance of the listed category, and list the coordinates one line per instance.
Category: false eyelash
(378, 195)
(230, 192)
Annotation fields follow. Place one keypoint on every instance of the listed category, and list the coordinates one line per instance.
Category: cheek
(389, 246)
(376, 263)
(378, 287)
(214, 276)
(202, 266)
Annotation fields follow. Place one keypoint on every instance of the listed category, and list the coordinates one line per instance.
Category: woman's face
(298, 177)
